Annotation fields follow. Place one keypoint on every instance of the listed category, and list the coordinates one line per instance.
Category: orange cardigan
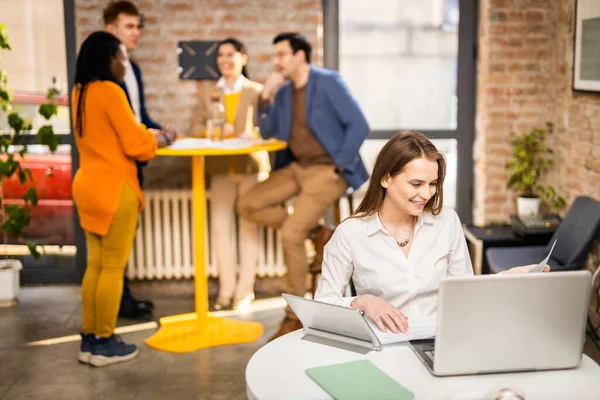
(112, 140)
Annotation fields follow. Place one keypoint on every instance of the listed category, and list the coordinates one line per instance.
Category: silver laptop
(501, 323)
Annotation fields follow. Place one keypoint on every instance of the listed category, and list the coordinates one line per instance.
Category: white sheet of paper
(189, 143)
(237, 143)
(420, 330)
(231, 144)
(541, 265)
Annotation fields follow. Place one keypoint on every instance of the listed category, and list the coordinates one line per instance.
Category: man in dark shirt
(325, 128)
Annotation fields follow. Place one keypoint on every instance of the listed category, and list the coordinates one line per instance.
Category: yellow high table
(189, 332)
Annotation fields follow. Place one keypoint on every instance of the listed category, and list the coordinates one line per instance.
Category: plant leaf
(29, 174)
(22, 176)
(4, 95)
(47, 136)
(4, 44)
(16, 122)
(33, 250)
(31, 197)
(48, 110)
(9, 166)
(53, 93)
(16, 219)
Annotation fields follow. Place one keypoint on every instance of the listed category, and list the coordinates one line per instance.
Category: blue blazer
(146, 120)
(333, 116)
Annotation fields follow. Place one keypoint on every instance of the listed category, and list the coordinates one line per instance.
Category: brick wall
(525, 79)
(172, 101)
(577, 119)
(515, 92)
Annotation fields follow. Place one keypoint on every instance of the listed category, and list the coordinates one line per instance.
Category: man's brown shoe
(288, 325)
(320, 238)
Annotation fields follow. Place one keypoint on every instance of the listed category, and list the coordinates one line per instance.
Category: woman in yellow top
(232, 176)
(106, 189)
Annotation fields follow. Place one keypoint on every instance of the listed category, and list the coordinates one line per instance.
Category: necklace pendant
(403, 243)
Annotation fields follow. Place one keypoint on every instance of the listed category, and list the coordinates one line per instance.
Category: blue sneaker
(112, 350)
(85, 351)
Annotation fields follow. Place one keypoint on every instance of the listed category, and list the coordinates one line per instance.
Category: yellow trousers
(102, 284)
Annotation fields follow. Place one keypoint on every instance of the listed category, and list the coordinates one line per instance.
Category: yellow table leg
(189, 332)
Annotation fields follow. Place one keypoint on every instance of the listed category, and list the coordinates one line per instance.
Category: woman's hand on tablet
(382, 313)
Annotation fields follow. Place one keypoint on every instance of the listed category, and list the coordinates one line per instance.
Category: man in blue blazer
(122, 19)
(324, 127)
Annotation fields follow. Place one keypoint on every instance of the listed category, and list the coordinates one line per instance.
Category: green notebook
(358, 380)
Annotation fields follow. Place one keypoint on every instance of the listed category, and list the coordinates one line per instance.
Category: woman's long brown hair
(401, 149)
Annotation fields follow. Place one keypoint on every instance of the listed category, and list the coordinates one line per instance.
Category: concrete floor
(52, 371)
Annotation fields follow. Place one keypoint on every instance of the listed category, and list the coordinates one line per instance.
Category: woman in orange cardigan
(106, 189)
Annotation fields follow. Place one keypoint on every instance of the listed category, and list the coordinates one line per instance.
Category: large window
(411, 66)
(36, 32)
(400, 58)
(35, 29)
(37, 36)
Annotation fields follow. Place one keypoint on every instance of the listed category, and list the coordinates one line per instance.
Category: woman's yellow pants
(102, 284)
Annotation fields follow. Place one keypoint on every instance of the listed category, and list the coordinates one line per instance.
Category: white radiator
(163, 246)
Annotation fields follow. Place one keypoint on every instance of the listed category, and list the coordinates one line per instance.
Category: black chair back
(576, 233)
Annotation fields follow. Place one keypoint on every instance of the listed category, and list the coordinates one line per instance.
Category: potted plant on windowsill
(530, 158)
(14, 218)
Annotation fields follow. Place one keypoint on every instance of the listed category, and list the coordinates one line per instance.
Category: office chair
(575, 234)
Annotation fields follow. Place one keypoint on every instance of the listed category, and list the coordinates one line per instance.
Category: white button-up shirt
(133, 91)
(362, 250)
(238, 85)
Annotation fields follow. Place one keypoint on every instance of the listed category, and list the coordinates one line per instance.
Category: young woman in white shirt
(401, 241)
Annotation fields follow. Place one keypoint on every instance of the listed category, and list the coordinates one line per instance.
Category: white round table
(276, 371)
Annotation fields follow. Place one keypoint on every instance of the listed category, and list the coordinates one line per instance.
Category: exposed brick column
(516, 91)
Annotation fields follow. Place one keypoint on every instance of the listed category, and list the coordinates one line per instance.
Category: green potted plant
(530, 159)
(15, 217)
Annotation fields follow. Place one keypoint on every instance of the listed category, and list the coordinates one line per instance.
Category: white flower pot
(528, 205)
(9, 282)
